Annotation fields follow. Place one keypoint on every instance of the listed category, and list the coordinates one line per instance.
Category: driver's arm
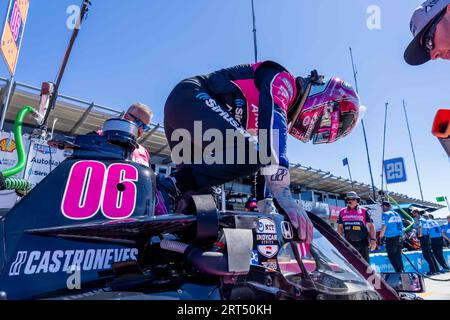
(277, 91)
(279, 186)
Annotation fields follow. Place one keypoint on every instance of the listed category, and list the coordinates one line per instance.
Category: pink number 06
(91, 186)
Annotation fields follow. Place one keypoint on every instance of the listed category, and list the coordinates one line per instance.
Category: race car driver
(259, 104)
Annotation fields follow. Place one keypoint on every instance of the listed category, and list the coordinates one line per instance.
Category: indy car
(88, 231)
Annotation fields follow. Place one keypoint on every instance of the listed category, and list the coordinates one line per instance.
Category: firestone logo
(37, 262)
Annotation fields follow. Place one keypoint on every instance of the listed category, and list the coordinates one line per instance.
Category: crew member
(430, 26)
(446, 231)
(424, 238)
(141, 115)
(437, 242)
(355, 224)
(391, 233)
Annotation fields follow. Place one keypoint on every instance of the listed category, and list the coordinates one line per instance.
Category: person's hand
(298, 217)
(373, 244)
(266, 206)
(278, 184)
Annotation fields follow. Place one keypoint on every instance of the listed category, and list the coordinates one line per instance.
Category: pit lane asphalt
(437, 290)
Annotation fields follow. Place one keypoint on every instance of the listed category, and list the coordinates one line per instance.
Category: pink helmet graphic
(328, 111)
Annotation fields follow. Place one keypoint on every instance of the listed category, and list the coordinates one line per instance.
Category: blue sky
(139, 51)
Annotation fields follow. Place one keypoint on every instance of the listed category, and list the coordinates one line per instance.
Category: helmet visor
(305, 125)
(321, 137)
(334, 127)
(328, 128)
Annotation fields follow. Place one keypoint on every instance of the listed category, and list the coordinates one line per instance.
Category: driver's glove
(266, 206)
(279, 184)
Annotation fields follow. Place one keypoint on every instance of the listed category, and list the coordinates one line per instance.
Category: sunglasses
(139, 123)
(350, 200)
(429, 35)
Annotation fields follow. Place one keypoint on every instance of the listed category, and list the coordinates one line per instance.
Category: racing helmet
(326, 111)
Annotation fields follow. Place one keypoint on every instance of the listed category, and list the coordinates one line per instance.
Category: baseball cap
(422, 17)
(385, 203)
(351, 195)
(419, 210)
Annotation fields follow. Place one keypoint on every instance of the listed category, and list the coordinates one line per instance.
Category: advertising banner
(13, 32)
(380, 262)
(42, 160)
(8, 159)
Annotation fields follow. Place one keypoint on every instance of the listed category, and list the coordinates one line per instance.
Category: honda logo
(287, 231)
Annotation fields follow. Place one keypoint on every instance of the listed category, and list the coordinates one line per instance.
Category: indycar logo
(36, 262)
(266, 238)
(268, 251)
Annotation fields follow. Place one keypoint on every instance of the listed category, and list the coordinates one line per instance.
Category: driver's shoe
(168, 193)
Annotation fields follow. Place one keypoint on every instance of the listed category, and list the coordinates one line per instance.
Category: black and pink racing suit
(244, 98)
(253, 102)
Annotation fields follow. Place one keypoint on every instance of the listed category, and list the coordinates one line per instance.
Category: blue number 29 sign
(394, 170)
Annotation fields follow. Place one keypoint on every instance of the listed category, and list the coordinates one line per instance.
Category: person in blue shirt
(392, 232)
(425, 244)
(446, 231)
(437, 242)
